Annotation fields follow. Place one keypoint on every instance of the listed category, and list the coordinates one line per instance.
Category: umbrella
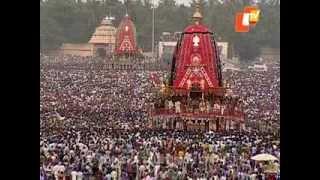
(272, 168)
(264, 157)
(276, 142)
(271, 171)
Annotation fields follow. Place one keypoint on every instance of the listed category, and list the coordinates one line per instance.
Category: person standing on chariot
(207, 106)
(202, 106)
(216, 106)
(177, 107)
(170, 105)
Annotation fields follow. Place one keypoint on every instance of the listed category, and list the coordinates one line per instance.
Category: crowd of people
(94, 125)
(63, 61)
(260, 92)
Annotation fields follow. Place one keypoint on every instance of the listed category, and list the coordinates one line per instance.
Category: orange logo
(249, 17)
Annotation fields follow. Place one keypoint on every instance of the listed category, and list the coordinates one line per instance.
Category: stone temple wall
(77, 49)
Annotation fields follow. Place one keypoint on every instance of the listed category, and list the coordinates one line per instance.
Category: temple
(109, 42)
(194, 97)
(101, 43)
(103, 39)
(126, 42)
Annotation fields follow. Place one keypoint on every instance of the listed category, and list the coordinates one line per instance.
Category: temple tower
(104, 38)
(196, 63)
(126, 42)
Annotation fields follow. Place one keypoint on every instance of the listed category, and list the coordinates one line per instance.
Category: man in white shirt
(170, 105)
(108, 176)
(202, 106)
(216, 107)
(58, 171)
(208, 106)
(79, 176)
(114, 174)
(222, 109)
(156, 171)
(215, 177)
(142, 168)
(223, 177)
(166, 104)
(74, 175)
(177, 107)
(253, 176)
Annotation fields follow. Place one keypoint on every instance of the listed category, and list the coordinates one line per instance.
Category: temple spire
(197, 16)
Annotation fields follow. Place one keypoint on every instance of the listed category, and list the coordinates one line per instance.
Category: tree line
(74, 21)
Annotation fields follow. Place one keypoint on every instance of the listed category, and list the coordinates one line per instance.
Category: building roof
(105, 33)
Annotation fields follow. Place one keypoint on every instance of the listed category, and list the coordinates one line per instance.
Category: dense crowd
(260, 92)
(69, 61)
(94, 125)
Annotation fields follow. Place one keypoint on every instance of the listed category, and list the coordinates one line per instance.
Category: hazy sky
(185, 2)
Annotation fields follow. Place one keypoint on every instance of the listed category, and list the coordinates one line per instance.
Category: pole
(152, 29)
